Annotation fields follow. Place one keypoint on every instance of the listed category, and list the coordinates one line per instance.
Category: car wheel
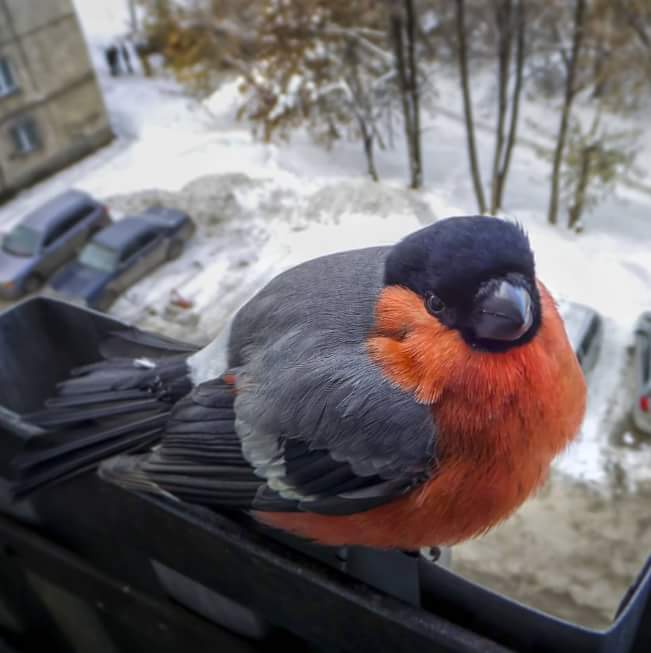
(32, 284)
(175, 249)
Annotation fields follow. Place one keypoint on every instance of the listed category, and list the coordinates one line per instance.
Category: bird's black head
(475, 274)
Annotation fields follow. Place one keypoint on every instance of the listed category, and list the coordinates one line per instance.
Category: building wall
(56, 88)
(27, 15)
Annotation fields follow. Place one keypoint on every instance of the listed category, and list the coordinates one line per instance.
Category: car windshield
(21, 241)
(99, 257)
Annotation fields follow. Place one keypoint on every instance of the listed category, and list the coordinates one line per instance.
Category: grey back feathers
(330, 299)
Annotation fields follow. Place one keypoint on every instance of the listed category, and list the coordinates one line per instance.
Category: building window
(25, 136)
(7, 81)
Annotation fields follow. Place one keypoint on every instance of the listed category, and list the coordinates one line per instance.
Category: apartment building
(51, 108)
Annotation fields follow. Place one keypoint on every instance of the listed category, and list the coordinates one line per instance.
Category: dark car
(121, 254)
(46, 239)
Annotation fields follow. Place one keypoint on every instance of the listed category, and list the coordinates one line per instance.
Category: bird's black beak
(503, 313)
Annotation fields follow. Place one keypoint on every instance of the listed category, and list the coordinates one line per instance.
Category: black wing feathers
(346, 440)
(348, 461)
(105, 408)
(200, 457)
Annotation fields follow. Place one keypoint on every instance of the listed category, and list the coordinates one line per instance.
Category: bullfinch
(390, 397)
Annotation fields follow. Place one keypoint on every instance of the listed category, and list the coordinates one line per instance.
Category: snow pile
(225, 103)
(368, 198)
(210, 200)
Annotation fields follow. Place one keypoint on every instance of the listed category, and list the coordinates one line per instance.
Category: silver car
(641, 409)
(584, 328)
(118, 256)
(46, 239)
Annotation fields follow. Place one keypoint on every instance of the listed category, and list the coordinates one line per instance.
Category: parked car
(584, 328)
(641, 410)
(121, 254)
(46, 239)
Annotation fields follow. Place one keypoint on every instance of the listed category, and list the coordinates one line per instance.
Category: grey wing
(316, 417)
(333, 436)
(339, 446)
(331, 297)
(313, 420)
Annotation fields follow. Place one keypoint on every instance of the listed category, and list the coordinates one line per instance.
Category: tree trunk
(602, 52)
(571, 65)
(598, 73)
(361, 106)
(367, 139)
(407, 70)
(515, 103)
(503, 23)
(133, 17)
(467, 106)
(414, 97)
(582, 184)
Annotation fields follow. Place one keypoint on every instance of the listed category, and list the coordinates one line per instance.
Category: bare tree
(634, 13)
(503, 10)
(510, 20)
(133, 16)
(467, 105)
(326, 65)
(570, 61)
(341, 68)
(403, 36)
(502, 24)
(584, 173)
(362, 107)
(597, 158)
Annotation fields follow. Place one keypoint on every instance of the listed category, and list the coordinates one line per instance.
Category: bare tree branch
(467, 105)
(570, 93)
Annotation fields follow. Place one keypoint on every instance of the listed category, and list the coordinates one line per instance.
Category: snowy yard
(263, 207)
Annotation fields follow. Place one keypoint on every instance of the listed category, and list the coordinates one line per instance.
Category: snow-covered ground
(262, 207)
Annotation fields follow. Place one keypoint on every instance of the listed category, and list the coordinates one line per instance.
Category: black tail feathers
(199, 458)
(117, 405)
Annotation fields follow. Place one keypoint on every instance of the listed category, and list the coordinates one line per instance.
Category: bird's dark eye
(434, 304)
